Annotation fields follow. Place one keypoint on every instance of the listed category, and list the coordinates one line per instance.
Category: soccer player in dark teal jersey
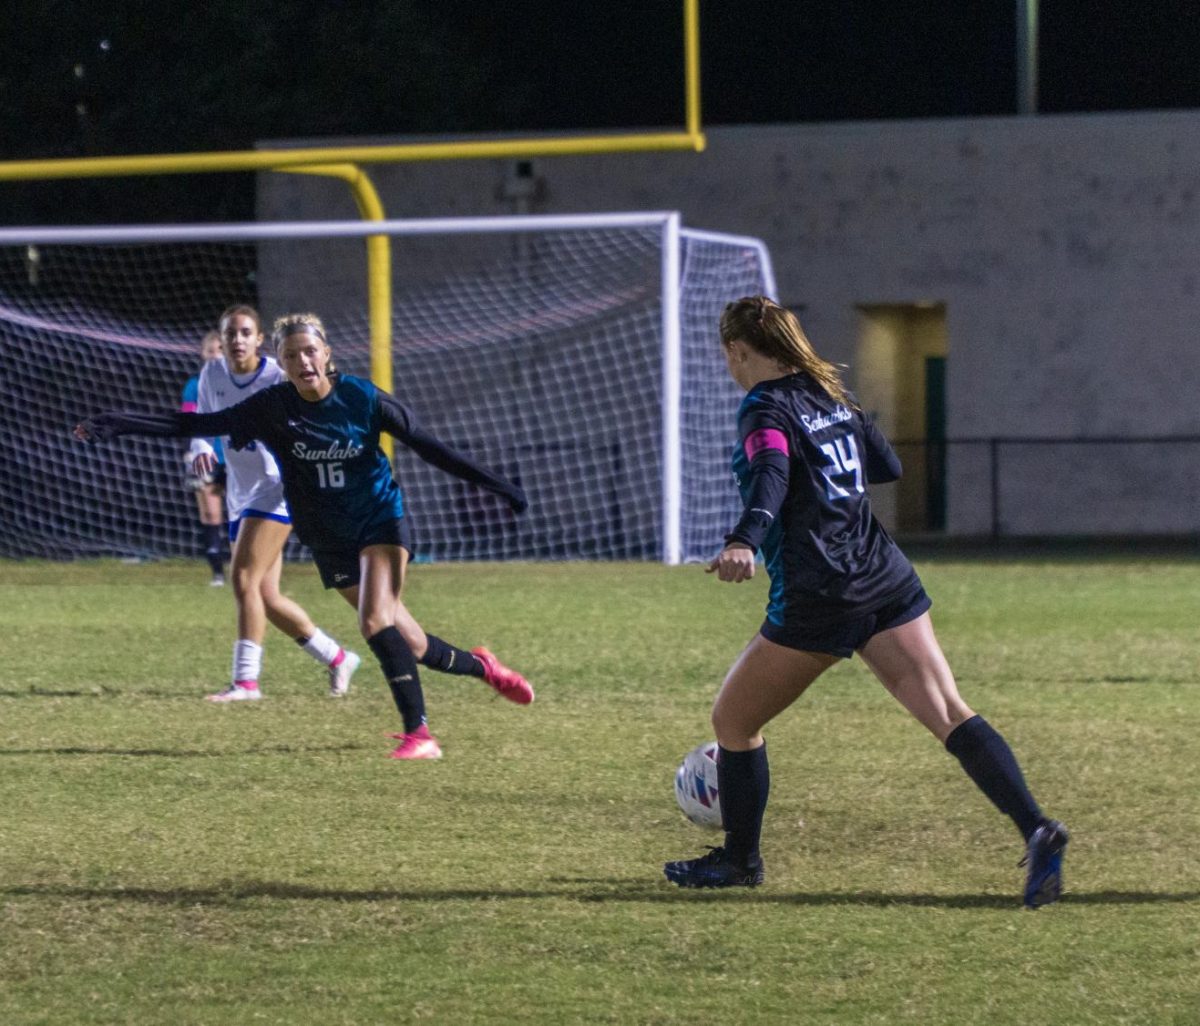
(839, 585)
(324, 430)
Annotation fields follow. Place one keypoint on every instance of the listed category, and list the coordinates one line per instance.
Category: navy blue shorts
(848, 634)
(339, 567)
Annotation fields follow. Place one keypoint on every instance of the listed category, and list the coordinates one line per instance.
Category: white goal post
(577, 354)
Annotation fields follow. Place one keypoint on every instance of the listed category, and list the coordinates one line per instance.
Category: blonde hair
(296, 323)
(774, 331)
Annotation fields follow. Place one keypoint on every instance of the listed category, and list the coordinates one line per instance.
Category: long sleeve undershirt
(396, 419)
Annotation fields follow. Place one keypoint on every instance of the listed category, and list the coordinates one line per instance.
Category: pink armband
(765, 438)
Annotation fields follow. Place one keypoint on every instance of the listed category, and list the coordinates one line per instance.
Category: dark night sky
(183, 78)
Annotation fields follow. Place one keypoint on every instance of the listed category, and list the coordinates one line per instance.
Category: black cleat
(1043, 856)
(715, 869)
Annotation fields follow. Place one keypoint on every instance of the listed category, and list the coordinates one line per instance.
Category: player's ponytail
(775, 332)
(301, 324)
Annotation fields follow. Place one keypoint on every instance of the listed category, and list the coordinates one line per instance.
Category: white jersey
(251, 474)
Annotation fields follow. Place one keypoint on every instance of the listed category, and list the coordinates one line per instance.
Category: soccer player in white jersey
(209, 491)
(259, 521)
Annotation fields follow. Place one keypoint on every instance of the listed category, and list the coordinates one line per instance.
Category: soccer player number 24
(843, 460)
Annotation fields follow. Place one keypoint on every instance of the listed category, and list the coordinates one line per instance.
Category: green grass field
(167, 861)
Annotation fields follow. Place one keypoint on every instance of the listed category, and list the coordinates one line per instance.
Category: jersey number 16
(331, 475)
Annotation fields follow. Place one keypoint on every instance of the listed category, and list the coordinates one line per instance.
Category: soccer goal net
(575, 355)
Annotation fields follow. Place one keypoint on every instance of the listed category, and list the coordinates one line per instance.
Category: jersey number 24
(842, 452)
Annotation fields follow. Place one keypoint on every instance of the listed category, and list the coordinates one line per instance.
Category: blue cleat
(715, 869)
(1043, 856)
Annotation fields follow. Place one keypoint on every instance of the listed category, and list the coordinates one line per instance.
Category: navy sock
(439, 655)
(743, 782)
(212, 547)
(400, 670)
(989, 762)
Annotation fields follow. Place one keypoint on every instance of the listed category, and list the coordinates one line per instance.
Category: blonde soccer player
(325, 428)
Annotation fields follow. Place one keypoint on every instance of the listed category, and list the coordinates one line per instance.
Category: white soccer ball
(696, 786)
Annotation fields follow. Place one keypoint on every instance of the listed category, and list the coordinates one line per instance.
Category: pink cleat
(236, 693)
(420, 744)
(507, 682)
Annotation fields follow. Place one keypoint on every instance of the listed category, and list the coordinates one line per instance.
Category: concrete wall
(1066, 250)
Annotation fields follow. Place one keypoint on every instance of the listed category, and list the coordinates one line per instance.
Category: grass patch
(163, 860)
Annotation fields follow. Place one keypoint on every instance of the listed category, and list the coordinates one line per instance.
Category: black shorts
(846, 635)
(338, 567)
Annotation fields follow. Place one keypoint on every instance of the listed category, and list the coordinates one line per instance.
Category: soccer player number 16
(331, 475)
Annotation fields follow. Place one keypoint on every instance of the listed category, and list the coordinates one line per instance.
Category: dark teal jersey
(802, 465)
(337, 479)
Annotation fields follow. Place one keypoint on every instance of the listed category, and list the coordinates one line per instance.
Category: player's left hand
(204, 465)
(734, 563)
(89, 431)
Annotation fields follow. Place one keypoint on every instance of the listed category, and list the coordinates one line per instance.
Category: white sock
(247, 662)
(322, 647)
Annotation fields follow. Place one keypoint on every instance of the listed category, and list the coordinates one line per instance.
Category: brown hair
(297, 323)
(774, 331)
(240, 308)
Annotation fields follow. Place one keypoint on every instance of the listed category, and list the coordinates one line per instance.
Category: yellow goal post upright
(343, 162)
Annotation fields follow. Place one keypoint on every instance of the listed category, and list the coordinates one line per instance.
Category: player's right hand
(734, 563)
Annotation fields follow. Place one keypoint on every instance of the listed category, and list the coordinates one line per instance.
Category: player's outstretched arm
(399, 421)
(105, 426)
